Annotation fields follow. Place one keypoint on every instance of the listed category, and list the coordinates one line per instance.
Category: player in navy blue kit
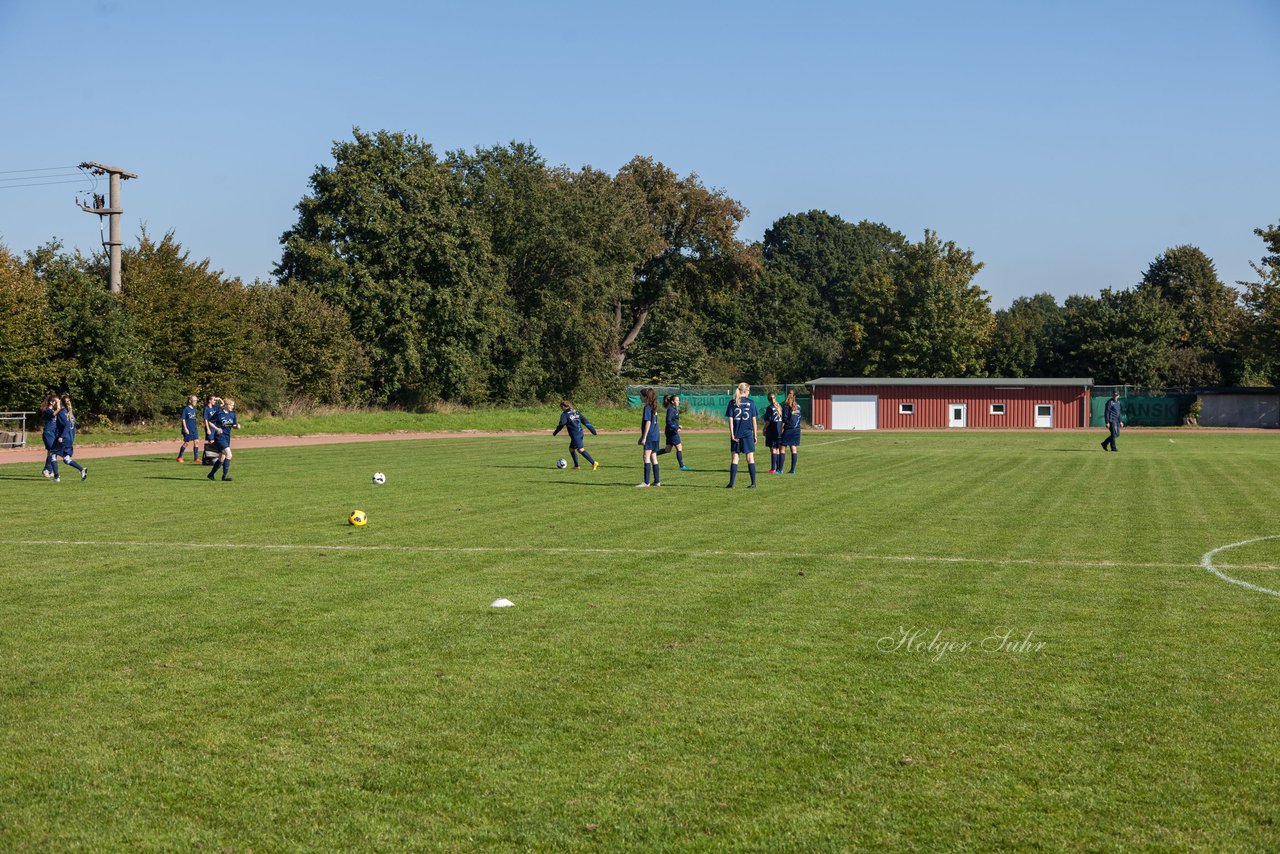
(790, 431)
(49, 433)
(66, 442)
(649, 436)
(741, 413)
(189, 431)
(226, 422)
(574, 420)
(672, 402)
(209, 415)
(773, 433)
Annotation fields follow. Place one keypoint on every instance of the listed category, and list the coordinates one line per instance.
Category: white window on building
(997, 409)
(906, 409)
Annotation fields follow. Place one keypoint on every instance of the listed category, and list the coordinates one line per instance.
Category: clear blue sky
(1066, 143)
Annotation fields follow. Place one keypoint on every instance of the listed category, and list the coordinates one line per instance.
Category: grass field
(920, 641)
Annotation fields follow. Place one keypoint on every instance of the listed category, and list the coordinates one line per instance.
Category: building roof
(1018, 382)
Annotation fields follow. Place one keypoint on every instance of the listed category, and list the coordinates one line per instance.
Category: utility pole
(113, 208)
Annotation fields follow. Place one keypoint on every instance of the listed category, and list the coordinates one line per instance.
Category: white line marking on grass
(560, 550)
(1207, 563)
(828, 442)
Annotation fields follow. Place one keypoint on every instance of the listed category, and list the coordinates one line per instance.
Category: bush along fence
(713, 400)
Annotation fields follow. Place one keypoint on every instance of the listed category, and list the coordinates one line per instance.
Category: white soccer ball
(379, 477)
(561, 464)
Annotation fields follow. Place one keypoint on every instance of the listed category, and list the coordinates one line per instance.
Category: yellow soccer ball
(357, 518)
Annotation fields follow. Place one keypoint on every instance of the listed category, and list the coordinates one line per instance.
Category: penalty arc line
(1207, 563)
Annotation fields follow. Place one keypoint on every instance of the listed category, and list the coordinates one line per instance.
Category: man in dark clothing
(1113, 422)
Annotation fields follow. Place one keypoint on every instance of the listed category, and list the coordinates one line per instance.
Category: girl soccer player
(189, 431)
(210, 417)
(574, 420)
(49, 433)
(773, 433)
(790, 431)
(226, 422)
(67, 436)
(672, 402)
(741, 413)
(649, 436)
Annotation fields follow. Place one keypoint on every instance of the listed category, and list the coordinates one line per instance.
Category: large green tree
(1119, 337)
(1262, 304)
(1208, 312)
(691, 256)
(1024, 338)
(385, 235)
(26, 336)
(943, 320)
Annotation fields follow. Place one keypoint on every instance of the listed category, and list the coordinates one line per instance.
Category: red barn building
(858, 403)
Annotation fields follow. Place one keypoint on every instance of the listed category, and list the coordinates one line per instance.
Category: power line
(41, 184)
(50, 176)
(45, 169)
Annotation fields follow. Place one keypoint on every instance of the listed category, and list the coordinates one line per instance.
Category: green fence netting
(713, 400)
(1140, 407)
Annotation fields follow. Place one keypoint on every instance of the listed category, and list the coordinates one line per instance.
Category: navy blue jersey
(226, 421)
(189, 420)
(50, 420)
(742, 417)
(773, 420)
(66, 431)
(791, 418)
(574, 421)
(673, 419)
(210, 414)
(650, 418)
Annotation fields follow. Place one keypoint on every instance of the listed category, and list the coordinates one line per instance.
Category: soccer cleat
(728, 486)
(655, 483)
(181, 460)
(752, 486)
(83, 474)
(211, 475)
(641, 485)
(685, 468)
(57, 479)
(595, 465)
(226, 477)
(772, 471)
(47, 473)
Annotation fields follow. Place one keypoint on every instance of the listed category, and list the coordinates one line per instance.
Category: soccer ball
(357, 518)
(561, 464)
(379, 477)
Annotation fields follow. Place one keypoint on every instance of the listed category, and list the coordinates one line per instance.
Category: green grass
(525, 419)
(685, 668)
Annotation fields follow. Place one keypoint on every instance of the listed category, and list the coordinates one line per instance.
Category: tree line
(491, 276)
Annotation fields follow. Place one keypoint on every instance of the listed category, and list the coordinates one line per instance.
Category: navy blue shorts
(791, 437)
(745, 445)
(673, 437)
(189, 437)
(69, 451)
(651, 441)
(49, 441)
(222, 443)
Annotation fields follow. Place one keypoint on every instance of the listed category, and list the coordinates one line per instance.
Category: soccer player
(773, 433)
(649, 436)
(1115, 420)
(790, 431)
(210, 417)
(49, 433)
(67, 436)
(574, 420)
(189, 432)
(741, 413)
(222, 438)
(672, 402)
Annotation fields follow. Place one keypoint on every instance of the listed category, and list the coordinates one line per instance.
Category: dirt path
(36, 454)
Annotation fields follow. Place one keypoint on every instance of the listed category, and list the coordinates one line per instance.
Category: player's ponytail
(791, 398)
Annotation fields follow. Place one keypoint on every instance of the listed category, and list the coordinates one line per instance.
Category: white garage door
(853, 412)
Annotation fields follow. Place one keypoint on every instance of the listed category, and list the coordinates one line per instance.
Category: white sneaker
(641, 485)
(57, 480)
